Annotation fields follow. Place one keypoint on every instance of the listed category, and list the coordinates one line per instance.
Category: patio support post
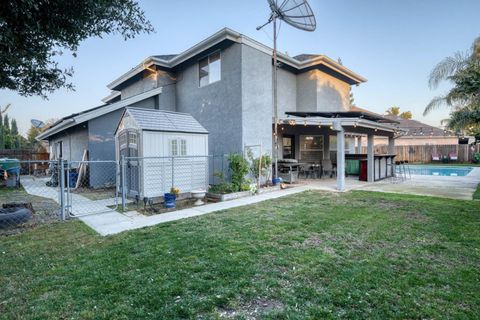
(359, 144)
(326, 146)
(340, 156)
(370, 159)
(391, 145)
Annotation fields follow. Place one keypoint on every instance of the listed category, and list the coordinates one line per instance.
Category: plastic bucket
(72, 179)
(170, 200)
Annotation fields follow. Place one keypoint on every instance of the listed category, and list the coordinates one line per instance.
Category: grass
(358, 255)
(476, 194)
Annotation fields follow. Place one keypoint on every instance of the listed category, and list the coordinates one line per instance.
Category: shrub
(238, 166)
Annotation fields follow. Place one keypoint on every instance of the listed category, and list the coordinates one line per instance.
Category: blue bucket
(276, 181)
(170, 200)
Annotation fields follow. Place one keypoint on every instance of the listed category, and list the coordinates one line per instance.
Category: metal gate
(91, 187)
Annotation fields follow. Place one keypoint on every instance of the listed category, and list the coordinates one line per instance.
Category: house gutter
(80, 118)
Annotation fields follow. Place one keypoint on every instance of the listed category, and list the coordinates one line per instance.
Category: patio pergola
(354, 124)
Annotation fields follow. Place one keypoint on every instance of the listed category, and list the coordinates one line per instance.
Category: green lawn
(315, 255)
(476, 194)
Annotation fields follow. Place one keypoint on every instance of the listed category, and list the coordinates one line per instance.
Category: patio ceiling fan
(298, 14)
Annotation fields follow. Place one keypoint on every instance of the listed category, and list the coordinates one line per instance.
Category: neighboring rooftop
(417, 128)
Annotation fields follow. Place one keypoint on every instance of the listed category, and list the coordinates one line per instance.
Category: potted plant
(171, 197)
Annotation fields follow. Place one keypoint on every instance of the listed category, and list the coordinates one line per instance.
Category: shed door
(128, 141)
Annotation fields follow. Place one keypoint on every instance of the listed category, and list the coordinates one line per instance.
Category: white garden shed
(162, 149)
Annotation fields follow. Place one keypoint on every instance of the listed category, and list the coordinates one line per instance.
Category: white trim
(229, 34)
(111, 96)
(351, 122)
(97, 112)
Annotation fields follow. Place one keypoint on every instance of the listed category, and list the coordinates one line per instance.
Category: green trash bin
(352, 167)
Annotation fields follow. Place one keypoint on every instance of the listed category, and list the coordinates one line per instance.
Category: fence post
(173, 171)
(123, 183)
(61, 186)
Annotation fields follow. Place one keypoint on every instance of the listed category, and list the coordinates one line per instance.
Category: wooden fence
(23, 154)
(423, 154)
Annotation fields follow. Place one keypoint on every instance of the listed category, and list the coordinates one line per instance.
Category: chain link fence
(34, 192)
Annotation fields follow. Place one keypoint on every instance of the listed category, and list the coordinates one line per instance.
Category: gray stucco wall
(101, 144)
(306, 92)
(257, 108)
(74, 141)
(217, 106)
(318, 91)
(287, 92)
(144, 85)
(167, 100)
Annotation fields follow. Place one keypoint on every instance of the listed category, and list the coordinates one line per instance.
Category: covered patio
(317, 139)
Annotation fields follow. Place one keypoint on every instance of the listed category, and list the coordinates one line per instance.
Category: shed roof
(160, 120)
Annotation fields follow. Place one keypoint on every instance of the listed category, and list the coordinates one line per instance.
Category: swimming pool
(432, 170)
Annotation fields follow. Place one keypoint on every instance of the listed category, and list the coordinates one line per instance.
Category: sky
(392, 43)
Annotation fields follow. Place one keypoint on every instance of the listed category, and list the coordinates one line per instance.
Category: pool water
(438, 170)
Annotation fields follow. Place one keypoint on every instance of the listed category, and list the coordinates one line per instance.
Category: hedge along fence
(423, 154)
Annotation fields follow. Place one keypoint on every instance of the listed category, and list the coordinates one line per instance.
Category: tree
(462, 70)
(2, 136)
(34, 33)
(406, 115)
(6, 125)
(393, 111)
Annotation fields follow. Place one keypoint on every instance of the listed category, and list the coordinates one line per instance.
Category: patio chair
(436, 157)
(307, 171)
(452, 156)
(328, 168)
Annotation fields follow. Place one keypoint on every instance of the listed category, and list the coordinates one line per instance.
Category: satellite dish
(298, 14)
(37, 123)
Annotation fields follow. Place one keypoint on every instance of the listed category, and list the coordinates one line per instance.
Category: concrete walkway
(436, 186)
(114, 222)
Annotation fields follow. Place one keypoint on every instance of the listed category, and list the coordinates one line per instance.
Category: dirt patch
(254, 309)
(45, 210)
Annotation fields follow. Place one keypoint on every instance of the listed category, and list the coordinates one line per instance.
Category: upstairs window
(209, 69)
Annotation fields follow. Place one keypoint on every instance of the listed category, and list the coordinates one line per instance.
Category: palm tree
(453, 69)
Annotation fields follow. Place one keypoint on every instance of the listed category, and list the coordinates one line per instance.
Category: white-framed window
(122, 140)
(183, 147)
(178, 147)
(132, 138)
(209, 69)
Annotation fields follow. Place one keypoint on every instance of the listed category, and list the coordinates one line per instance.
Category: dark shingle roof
(417, 128)
(159, 120)
(305, 56)
(165, 57)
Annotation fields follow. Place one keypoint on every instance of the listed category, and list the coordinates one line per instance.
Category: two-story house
(225, 82)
